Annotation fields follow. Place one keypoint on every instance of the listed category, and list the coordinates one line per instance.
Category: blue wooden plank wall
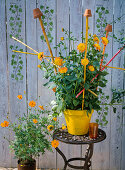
(68, 14)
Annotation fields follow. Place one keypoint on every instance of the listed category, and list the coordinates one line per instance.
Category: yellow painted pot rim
(77, 112)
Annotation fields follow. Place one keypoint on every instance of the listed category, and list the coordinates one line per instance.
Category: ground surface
(17, 169)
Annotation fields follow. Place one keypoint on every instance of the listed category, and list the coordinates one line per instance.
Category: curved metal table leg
(88, 155)
(63, 156)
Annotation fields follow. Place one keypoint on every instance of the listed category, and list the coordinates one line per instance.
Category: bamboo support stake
(25, 45)
(86, 14)
(37, 55)
(114, 67)
(92, 92)
(37, 14)
(27, 53)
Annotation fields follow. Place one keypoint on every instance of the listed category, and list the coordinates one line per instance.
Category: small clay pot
(88, 13)
(30, 165)
(108, 28)
(37, 13)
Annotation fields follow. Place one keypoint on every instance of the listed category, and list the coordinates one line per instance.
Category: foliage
(117, 98)
(69, 84)
(32, 133)
(101, 21)
(47, 21)
(16, 29)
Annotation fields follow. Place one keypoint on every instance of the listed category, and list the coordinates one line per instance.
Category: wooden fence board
(123, 113)
(117, 82)
(31, 60)
(62, 22)
(5, 156)
(88, 5)
(46, 95)
(16, 87)
(76, 29)
(101, 151)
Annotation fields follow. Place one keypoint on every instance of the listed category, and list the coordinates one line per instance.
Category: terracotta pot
(31, 165)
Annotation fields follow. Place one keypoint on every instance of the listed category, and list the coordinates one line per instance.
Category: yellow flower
(91, 68)
(63, 127)
(5, 124)
(54, 89)
(20, 144)
(40, 55)
(19, 97)
(95, 39)
(62, 38)
(62, 29)
(50, 127)
(104, 40)
(94, 35)
(81, 47)
(58, 61)
(84, 61)
(41, 107)
(35, 121)
(32, 103)
(97, 46)
(63, 70)
(39, 66)
(55, 143)
(55, 119)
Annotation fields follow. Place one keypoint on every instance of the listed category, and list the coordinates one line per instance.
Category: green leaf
(50, 28)
(12, 75)
(98, 20)
(13, 56)
(106, 12)
(19, 30)
(98, 26)
(114, 109)
(86, 86)
(11, 46)
(41, 7)
(46, 84)
(42, 37)
(75, 102)
(52, 11)
(46, 11)
(20, 9)
(21, 62)
(11, 18)
(102, 8)
(51, 23)
(16, 78)
(11, 24)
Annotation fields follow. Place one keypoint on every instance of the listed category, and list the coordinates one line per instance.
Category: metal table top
(64, 136)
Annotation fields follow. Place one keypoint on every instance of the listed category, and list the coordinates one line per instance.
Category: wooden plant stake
(86, 14)
(37, 14)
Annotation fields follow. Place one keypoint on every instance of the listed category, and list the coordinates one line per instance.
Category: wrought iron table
(64, 136)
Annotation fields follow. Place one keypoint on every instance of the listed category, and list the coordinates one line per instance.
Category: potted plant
(76, 69)
(32, 134)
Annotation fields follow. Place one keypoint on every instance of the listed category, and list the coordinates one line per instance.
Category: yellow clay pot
(77, 121)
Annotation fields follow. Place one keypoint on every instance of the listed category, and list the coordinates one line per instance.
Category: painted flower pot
(30, 165)
(77, 121)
